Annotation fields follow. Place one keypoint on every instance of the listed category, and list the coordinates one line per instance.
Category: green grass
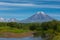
(13, 30)
(57, 37)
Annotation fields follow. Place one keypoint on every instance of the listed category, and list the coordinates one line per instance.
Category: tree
(14, 25)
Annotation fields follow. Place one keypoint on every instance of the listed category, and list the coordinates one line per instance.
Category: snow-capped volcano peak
(41, 13)
(12, 20)
(38, 17)
(2, 19)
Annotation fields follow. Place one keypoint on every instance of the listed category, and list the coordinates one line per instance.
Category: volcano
(38, 17)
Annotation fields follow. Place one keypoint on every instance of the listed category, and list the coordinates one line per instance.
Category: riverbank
(15, 35)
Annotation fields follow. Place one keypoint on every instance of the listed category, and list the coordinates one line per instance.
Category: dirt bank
(15, 35)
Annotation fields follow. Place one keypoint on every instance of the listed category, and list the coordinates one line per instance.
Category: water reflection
(37, 38)
(26, 38)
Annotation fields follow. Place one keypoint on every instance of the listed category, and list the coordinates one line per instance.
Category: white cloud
(54, 15)
(52, 0)
(5, 8)
(49, 6)
(30, 5)
(47, 0)
(29, 0)
(15, 4)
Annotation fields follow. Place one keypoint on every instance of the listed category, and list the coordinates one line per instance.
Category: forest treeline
(53, 25)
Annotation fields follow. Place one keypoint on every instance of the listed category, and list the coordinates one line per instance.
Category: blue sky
(22, 9)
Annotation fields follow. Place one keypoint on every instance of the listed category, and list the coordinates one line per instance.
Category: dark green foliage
(3, 24)
(44, 26)
(34, 26)
(14, 25)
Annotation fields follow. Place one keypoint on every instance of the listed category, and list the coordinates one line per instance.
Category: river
(26, 38)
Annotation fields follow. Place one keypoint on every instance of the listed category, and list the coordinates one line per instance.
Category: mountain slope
(38, 17)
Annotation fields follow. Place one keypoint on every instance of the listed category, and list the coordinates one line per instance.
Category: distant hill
(2, 19)
(12, 20)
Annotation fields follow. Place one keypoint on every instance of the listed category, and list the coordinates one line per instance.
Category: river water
(26, 38)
